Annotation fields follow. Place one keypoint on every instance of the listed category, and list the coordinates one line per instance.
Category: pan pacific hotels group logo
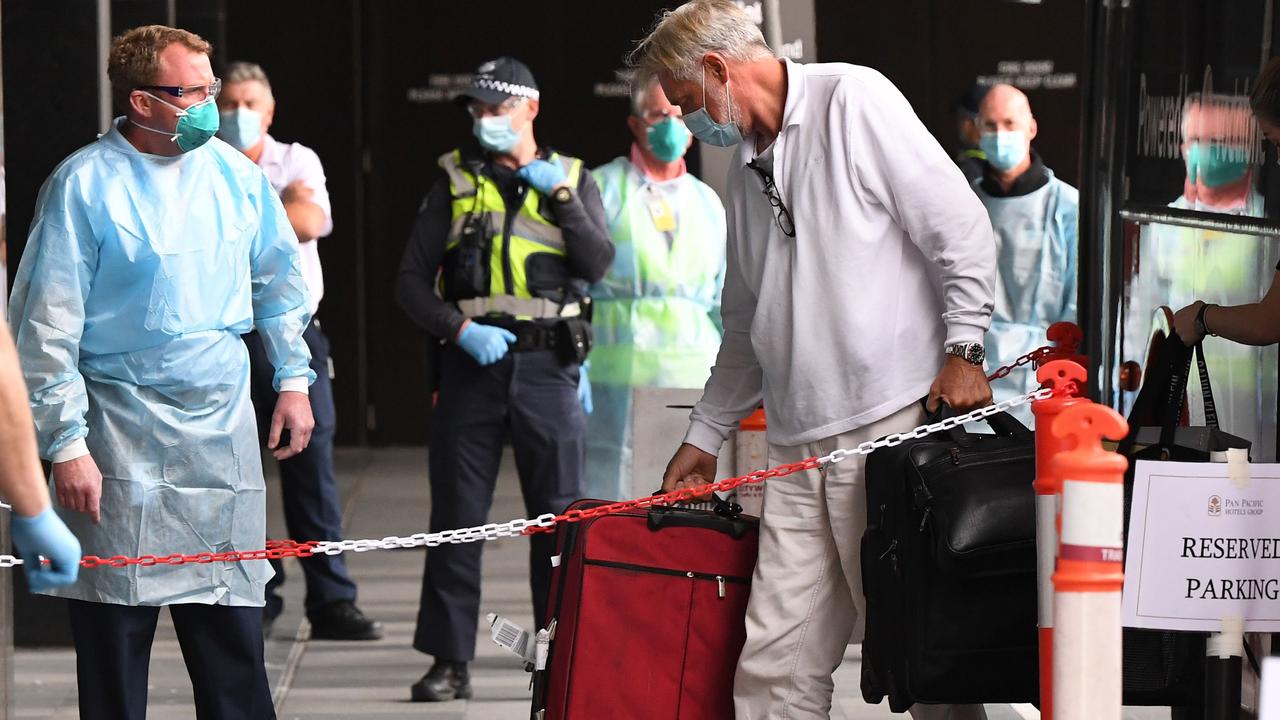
(1215, 506)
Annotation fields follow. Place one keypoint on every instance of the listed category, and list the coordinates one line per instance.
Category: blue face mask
(699, 122)
(668, 139)
(1005, 149)
(1215, 165)
(242, 128)
(495, 133)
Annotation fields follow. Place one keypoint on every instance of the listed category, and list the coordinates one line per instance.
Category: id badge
(664, 218)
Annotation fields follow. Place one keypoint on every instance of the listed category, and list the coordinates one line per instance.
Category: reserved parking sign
(1204, 544)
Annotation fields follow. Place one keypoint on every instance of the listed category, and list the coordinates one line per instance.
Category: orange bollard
(1087, 658)
(1059, 375)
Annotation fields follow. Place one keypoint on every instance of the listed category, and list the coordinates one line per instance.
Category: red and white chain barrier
(548, 522)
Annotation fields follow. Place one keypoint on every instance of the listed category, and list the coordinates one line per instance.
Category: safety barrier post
(1087, 658)
(1063, 376)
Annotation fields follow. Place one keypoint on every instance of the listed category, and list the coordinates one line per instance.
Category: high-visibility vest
(527, 255)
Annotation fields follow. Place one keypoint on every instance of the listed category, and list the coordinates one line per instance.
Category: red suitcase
(649, 610)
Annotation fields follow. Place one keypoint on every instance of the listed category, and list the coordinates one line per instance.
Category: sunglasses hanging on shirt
(781, 215)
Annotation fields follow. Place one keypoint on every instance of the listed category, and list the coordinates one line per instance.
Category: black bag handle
(1164, 391)
(1002, 423)
(1173, 405)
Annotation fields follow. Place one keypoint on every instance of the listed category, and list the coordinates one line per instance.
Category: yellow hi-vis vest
(527, 256)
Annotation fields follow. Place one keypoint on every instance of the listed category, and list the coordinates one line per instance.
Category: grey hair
(238, 72)
(640, 94)
(683, 36)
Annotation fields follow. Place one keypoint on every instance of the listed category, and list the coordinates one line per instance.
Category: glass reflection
(1174, 266)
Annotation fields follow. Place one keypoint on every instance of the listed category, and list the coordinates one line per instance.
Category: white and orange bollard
(751, 453)
(1063, 375)
(1087, 657)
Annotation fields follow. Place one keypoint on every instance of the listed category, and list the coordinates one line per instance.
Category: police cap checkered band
(497, 80)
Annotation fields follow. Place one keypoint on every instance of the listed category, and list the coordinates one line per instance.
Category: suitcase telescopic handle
(726, 518)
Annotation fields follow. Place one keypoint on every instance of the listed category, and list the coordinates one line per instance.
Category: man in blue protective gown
(152, 251)
(1034, 215)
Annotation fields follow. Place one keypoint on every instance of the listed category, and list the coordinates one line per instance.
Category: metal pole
(104, 49)
(1101, 230)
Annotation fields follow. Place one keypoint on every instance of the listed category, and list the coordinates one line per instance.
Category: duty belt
(530, 336)
(524, 308)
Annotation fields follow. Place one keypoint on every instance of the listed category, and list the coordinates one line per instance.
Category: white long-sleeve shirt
(893, 259)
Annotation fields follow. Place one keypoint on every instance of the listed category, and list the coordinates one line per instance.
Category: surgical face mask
(725, 134)
(1005, 149)
(1215, 165)
(196, 124)
(495, 133)
(241, 127)
(668, 139)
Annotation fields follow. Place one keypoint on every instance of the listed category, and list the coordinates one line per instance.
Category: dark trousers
(308, 485)
(534, 398)
(221, 645)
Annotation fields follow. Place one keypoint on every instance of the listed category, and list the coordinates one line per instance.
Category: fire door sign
(1204, 544)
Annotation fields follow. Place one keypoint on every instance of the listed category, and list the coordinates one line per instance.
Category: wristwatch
(972, 353)
(562, 194)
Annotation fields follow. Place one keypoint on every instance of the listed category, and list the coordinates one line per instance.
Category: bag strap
(1206, 390)
(1159, 401)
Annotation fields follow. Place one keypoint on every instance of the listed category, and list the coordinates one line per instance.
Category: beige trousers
(806, 593)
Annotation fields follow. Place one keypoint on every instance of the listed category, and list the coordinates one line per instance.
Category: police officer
(515, 233)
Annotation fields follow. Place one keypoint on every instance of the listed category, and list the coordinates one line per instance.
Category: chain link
(1035, 356)
(548, 522)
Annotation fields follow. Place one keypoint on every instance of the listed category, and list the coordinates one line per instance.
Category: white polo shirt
(284, 164)
(893, 258)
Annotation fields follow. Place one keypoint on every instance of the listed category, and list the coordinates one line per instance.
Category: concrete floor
(385, 493)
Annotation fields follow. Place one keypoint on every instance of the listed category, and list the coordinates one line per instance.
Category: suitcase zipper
(721, 580)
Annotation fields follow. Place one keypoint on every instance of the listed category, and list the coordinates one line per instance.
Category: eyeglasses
(781, 214)
(479, 110)
(199, 92)
(655, 116)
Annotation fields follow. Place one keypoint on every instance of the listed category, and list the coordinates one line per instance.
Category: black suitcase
(949, 569)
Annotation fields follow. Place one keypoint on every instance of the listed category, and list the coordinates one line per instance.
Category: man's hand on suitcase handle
(690, 467)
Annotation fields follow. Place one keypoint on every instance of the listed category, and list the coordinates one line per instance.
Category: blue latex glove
(46, 535)
(486, 343)
(584, 389)
(542, 175)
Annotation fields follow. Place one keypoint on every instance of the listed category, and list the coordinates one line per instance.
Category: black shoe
(342, 620)
(444, 681)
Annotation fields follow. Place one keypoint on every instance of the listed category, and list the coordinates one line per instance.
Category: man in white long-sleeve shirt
(860, 279)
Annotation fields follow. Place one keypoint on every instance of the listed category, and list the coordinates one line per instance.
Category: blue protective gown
(139, 276)
(1037, 257)
(656, 311)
